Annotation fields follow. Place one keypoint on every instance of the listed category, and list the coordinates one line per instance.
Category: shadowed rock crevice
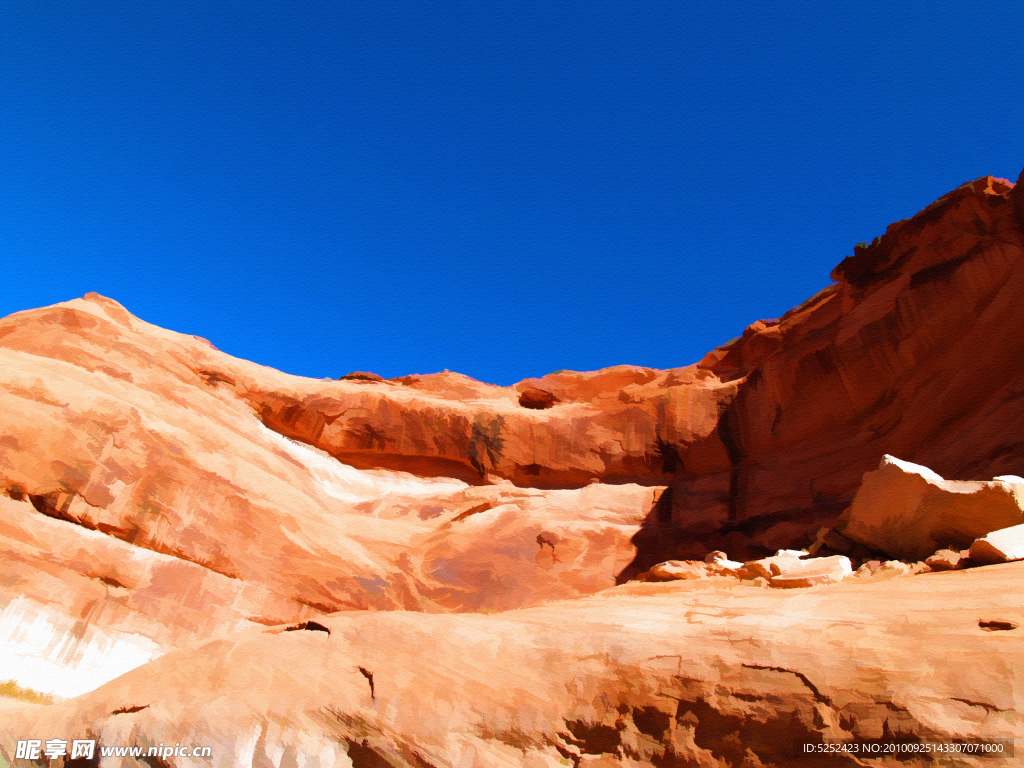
(771, 739)
(58, 505)
(361, 376)
(363, 755)
(129, 710)
(592, 738)
(983, 705)
(369, 679)
(215, 377)
(487, 505)
(995, 626)
(946, 269)
(367, 447)
(818, 695)
(671, 458)
(309, 626)
(323, 607)
(653, 722)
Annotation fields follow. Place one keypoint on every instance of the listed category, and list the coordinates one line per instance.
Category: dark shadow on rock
(660, 538)
(309, 626)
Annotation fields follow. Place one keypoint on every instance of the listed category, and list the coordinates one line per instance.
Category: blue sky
(502, 189)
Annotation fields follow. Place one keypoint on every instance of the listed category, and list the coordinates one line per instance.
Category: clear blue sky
(498, 188)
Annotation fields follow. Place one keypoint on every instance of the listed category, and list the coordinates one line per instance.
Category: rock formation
(139, 457)
(167, 507)
(642, 675)
(912, 352)
(908, 511)
(1000, 546)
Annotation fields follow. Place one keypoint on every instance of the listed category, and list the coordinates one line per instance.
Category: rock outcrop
(946, 560)
(911, 352)
(786, 570)
(147, 505)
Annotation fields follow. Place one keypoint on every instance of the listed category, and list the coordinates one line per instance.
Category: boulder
(945, 560)
(867, 568)
(795, 572)
(999, 546)
(798, 553)
(894, 568)
(673, 570)
(767, 567)
(715, 564)
(908, 511)
(876, 570)
(720, 561)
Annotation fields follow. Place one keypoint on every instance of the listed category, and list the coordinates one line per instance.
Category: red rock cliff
(152, 498)
(913, 351)
(148, 471)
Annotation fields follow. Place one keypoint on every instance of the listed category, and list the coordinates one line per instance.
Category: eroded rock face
(641, 675)
(148, 506)
(908, 511)
(191, 494)
(765, 440)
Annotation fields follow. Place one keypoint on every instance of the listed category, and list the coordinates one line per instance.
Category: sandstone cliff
(159, 493)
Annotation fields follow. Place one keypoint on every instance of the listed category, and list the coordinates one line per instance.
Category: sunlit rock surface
(642, 674)
(166, 507)
(908, 511)
(1000, 546)
(147, 505)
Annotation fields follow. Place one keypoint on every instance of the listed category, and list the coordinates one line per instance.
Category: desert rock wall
(198, 493)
